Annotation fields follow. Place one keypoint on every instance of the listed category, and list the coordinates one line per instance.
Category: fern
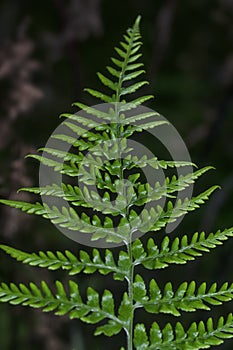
(102, 156)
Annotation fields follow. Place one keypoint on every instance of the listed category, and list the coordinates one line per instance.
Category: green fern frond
(75, 265)
(188, 297)
(90, 111)
(36, 208)
(147, 193)
(124, 70)
(135, 103)
(69, 218)
(70, 169)
(179, 251)
(93, 311)
(155, 219)
(79, 143)
(102, 205)
(198, 336)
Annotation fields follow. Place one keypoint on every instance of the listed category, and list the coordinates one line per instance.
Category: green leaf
(186, 298)
(133, 88)
(93, 111)
(163, 217)
(109, 329)
(29, 208)
(99, 95)
(104, 198)
(181, 250)
(139, 289)
(140, 337)
(198, 336)
(107, 82)
(133, 75)
(74, 265)
(114, 72)
(108, 302)
(125, 309)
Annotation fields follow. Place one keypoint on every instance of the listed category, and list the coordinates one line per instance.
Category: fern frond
(131, 161)
(71, 220)
(147, 193)
(155, 219)
(66, 156)
(79, 143)
(125, 69)
(124, 314)
(74, 265)
(92, 311)
(77, 197)
(90, 110)
(90, 136)
(70, 169)
(131, 129)
(100, 95)
(79, 119)
(35, 208)
(179, 251)
(133, 88)
(181, 208)
(134, 103)
(198, 336)
(139, 117)
(108, 202)
(188, 297)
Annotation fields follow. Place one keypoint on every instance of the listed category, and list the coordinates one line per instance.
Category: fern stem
(130, 292)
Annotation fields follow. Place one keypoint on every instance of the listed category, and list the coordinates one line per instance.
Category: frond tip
(125, 68)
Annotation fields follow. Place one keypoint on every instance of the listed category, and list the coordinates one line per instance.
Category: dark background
(49, 51)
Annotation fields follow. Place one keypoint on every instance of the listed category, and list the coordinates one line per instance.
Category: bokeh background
(49, 51)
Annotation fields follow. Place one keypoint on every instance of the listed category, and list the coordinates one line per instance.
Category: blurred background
(49, 51)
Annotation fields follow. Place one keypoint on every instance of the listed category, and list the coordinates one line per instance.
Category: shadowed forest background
(49, 52)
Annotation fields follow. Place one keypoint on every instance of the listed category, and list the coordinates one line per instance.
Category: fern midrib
(130, 274)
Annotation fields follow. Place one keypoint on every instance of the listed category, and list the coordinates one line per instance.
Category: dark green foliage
(93, 308)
